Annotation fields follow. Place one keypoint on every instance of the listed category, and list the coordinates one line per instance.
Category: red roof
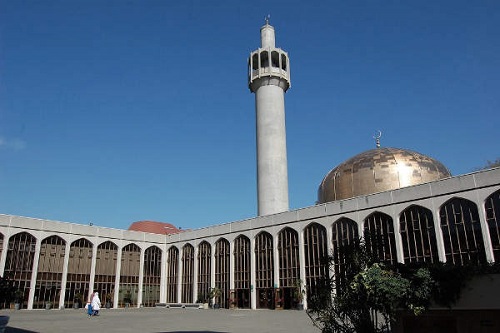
(153, 227)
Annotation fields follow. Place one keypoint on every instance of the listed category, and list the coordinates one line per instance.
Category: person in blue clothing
(90, 311)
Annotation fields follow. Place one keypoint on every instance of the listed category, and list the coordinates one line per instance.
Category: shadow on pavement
(9, 329)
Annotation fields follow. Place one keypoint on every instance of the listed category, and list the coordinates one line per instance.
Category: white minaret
(269, 79)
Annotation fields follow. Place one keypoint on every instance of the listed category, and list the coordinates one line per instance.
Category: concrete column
(179, 276)
(34, 272)
(92, 268)
(195, 274)
(141, 278)
(116, 295)
(302, 264)
(64, 279)
(253, 298)
(276, 264)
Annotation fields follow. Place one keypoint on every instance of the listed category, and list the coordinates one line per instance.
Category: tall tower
(269, 79)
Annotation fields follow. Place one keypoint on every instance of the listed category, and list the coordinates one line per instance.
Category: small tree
(213, 294)
(367, 294)
(7, 292)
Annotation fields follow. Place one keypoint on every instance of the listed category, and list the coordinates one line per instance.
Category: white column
(116, 294)
(64, 279)
(92, 268)
(253, 298)
(163, 277)
(141, 278)
(276, 265)
(179, 274)
(302, 263)
(34, 273)
(439, 233)
(231, 265)
(195, 274)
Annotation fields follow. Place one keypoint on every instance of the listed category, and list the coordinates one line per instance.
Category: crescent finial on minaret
(267, 18)
(377, 137)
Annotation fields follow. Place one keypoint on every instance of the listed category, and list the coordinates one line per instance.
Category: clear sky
(118, 111)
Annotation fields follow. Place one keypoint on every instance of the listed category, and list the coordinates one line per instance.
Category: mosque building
(410, 202)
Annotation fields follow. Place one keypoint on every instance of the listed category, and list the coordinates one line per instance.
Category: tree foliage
(367, 294)
(489, 164)
(7, 291)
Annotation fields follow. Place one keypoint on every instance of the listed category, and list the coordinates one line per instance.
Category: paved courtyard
(159, 320)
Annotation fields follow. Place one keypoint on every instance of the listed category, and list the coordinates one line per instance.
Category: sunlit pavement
(159, 320)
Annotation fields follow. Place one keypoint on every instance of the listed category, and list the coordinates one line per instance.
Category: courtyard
(159, 320)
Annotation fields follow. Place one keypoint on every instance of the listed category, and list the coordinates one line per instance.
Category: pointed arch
(344, 235)
(172, 273)
(288, 254)
(492, 212)
(418, 235)
(316, 257)
(222, 271)
(264, 270)
(79, 266)
(49, 273)
(462, 236)
(242, 272)
(289, 267)
(129, 275)
(379, 237)
(105, 271)
(204, 270)
(19, 261)
(152, 276)
(187, 273)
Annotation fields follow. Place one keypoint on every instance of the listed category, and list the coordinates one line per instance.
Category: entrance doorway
(265, 298)
(243, 298)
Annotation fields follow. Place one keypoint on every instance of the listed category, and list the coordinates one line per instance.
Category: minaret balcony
(268, 62)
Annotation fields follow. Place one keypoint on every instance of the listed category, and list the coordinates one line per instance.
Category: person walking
(96, 304)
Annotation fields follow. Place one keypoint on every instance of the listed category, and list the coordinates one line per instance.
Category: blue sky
(119, 111)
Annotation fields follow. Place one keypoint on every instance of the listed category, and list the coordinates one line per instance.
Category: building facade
(256, 263)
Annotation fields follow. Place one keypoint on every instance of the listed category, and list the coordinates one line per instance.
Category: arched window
(152, 276)
(275, 59)
(345, 234)
(288, 254)
(187, 273)
(49, 273)
(418, 235)
(264, 270)
(172, 276)
(79, 265)
(316, 257)
(204, 267)
(492, 210)
(264, 59)
(242, 272)
(222, 272)
(284, 62)
(379, 237)
(255, 61)
(19, 262)
(129, 275)
(105, 271)
(462, 237)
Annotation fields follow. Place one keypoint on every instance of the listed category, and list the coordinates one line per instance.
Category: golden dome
(378, 170)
